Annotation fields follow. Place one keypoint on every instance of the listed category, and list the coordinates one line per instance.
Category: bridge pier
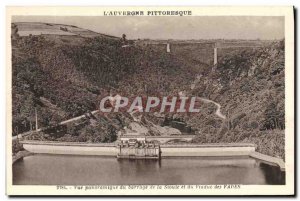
(168, 47)
(215, 56)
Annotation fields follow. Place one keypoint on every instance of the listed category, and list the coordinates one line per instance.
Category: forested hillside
(249, 84)
(63, 76)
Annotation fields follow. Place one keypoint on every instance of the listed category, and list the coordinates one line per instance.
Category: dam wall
(111, 149)
(207, 150)
(166, 150)
(69, 148)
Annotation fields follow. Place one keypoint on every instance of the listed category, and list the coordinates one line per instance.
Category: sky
(190, 27)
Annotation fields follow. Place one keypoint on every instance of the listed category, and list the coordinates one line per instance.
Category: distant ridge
(41, 28)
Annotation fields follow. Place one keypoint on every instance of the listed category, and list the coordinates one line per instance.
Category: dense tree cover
(63, 77)
(249, 84)
(86, 130)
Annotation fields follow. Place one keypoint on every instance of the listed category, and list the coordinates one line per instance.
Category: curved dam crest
(96, 164)
(166, 150)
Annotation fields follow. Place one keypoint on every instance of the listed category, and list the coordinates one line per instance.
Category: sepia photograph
(162, 99)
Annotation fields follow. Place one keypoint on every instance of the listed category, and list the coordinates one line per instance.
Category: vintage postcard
(150, 101)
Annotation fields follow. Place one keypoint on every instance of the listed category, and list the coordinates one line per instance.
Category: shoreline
(20, 155)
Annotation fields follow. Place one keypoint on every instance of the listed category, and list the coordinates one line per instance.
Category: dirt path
(205, 100)
(218, 111)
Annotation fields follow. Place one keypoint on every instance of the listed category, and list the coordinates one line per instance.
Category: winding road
(218, 111)
(205, 100)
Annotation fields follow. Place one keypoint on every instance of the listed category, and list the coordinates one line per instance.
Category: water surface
(43, 169)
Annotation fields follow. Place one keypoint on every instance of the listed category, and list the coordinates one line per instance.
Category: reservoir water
(43, 169)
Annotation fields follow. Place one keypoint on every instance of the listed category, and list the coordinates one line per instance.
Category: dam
(113, 149)
(150, 149)
(166, 163)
